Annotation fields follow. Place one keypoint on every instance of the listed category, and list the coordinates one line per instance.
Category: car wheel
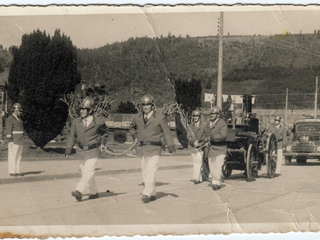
(288, 160)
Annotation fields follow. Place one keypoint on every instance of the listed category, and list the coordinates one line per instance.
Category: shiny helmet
(277, 118)
(147, 99)
(17, 107)
(215, 110)
(196, 112)
(87, 103)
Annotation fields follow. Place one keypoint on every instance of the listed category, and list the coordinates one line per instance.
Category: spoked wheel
(271, 155)
(251, 163)
(226, 170)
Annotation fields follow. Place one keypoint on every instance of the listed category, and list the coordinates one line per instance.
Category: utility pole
(219, 83)
(286, 113)
(316, 100)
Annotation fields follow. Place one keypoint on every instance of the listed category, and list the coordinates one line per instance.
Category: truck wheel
(288, 160)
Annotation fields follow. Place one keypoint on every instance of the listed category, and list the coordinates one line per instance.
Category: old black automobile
(305, 142)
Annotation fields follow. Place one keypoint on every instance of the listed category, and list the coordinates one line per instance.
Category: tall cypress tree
(188, 94)
(42, 71)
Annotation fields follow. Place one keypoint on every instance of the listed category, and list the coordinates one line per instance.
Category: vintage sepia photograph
(125, 120)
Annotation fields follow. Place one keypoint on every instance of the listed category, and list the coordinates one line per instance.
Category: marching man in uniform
(90, 132)
(280, 132)
(15, 135)
(217, 130)
(198, 136)
(148, 127)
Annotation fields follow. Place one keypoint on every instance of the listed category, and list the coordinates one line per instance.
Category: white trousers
(197, 163)
(279, 160)
(14, 157)
(149, 166)
(87, 168)
(215, 165)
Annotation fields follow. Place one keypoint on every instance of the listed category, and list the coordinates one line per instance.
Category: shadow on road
(28, 173)
(109, 194)
(157, 184)
(162, 194)
(103, 194)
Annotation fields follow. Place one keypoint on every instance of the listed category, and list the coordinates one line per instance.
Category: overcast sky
(95, 26)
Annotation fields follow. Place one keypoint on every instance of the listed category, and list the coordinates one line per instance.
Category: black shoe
(20, 174)
(147, 199)
(215, 187)
(77, 195)
(13, 174)
(94, 196)
(152, 198)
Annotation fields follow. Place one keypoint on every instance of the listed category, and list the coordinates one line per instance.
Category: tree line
(170, 68)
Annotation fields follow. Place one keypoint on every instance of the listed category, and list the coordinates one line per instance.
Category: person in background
(217, 130)
(198, 137)
(90, 132)
(280, 132)
(15, 134)
(147, 128)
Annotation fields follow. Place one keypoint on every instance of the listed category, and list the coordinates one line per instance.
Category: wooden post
(219, 83)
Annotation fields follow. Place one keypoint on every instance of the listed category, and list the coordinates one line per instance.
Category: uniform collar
(16, 117)
(149, 114)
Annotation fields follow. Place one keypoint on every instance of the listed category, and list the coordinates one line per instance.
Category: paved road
(41, 200)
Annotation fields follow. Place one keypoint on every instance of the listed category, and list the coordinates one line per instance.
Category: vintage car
(305, 141)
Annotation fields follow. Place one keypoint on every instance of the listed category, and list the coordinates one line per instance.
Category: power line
(287, 46)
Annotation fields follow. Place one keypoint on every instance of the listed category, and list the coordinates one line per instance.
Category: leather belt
(143, 143)
(218, 143)
(86, 147)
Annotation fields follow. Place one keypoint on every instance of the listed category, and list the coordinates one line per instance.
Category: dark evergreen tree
(188, 95)
(44, 68)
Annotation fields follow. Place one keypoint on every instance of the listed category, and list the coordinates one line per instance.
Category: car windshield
(308, 127)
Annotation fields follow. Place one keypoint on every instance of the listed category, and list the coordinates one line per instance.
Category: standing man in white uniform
(15, 135)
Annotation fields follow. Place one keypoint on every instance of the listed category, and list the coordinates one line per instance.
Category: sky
(96, 26)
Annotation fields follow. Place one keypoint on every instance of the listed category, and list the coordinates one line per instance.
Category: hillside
(251, 64)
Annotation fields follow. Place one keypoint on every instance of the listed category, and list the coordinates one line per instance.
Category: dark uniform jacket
(217, 135)
(198, 133)
(280, 133)
(88, 138)
(14, 130)
(149, 134)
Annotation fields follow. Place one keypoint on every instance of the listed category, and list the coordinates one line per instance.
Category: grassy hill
(251, 65)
